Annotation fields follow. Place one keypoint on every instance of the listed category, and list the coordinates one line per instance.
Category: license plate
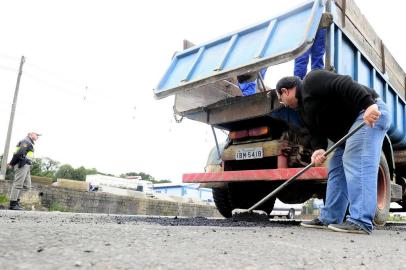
(249, 153)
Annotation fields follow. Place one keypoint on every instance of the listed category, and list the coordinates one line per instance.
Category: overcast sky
(91, 67)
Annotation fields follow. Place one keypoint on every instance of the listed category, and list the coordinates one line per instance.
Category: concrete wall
(94, 202)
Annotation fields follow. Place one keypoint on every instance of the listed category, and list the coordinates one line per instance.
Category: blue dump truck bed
(203, 76)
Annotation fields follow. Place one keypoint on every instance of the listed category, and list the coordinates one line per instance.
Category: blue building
(184, 191)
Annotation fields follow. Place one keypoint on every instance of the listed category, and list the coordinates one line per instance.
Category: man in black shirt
(331, 105)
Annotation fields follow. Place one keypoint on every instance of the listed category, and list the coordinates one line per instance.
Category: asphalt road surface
(53, 240)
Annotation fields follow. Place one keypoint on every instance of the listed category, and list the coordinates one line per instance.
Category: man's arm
(20, 154)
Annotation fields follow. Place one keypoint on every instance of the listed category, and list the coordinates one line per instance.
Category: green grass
(396, 218)
(56, 207)
(3, 198)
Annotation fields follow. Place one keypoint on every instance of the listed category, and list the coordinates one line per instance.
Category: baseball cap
(38, 134)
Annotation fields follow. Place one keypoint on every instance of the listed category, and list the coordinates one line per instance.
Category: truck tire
(291, 214)
(222, 201)
(245, 195)
(383, 193)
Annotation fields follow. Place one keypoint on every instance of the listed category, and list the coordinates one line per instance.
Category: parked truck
(266, 143)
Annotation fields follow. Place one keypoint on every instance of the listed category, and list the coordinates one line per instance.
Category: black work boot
(18, 203)
(14, 206)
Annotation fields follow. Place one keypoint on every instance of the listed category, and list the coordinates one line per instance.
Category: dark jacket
(329, 104)
(20, 156)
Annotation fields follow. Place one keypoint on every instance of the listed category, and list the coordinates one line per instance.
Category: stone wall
(95, 202)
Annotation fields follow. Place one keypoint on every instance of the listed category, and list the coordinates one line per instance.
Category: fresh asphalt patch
(237, 220)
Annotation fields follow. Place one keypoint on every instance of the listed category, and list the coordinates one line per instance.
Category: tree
(163, 181)
(49, 167)
(68, 172)
(65, 171)
(81, 172)
(36, 167)
(46, 167)
(144, 176)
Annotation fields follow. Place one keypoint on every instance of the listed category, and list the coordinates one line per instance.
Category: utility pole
(10, 123)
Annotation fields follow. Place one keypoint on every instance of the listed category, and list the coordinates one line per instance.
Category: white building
(191, 191)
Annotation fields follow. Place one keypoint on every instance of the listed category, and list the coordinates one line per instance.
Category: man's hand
(372, 115)
(9, 166)
(318, 156)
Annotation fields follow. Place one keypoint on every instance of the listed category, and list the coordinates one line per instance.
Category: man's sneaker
(348, 227)
(315, 223)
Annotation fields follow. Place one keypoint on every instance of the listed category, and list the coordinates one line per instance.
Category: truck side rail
(350, 19)
(350, 54)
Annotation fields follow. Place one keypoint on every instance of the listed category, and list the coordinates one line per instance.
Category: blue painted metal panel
(379, 84)
(364, 73)
(349, 60)
(277, 40)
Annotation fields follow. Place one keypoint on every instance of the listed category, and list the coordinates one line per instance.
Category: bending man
(331, 105)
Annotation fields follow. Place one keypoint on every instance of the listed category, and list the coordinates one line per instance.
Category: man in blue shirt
(249, 87)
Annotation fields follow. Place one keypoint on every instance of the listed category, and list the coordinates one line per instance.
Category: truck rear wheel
(383, 193)
(222, 201)
(291, 214)
(245, 195)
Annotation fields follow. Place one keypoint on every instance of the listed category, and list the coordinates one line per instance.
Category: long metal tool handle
(299, 173)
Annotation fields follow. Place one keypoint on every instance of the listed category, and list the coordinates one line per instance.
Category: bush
(3, 198)
(396, 217)
(56, 207)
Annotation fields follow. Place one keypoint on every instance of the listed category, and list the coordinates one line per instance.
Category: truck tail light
(255, 132)
(233, 135)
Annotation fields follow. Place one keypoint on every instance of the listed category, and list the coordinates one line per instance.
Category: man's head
(34, 135)
(286, 89)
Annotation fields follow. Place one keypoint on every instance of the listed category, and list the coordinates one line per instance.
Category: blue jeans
(317, 53)
(353, 172)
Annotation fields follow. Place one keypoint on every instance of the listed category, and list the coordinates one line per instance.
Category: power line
(55, 75)
(9, 57)
(8, 68)
(80, 90)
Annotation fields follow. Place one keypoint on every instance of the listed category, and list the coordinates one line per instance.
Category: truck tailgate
(274, 41)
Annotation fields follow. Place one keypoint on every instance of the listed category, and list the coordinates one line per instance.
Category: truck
(265, 145)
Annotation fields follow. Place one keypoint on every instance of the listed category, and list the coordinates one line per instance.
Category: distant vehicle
(119, 186)
(289, 211)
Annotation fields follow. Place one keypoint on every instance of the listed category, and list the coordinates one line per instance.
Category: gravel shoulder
(54, 240)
